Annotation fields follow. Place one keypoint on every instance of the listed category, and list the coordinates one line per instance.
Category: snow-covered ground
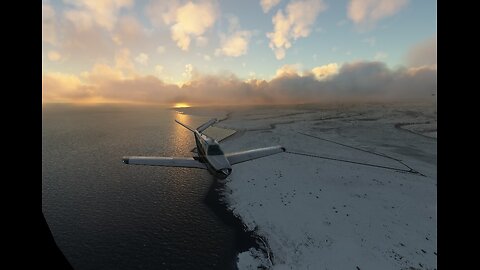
(357, 188)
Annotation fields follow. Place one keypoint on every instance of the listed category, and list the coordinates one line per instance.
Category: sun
(181, 105)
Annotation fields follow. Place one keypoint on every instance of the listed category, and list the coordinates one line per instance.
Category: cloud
(325, 71)
(88, 45)
(59, 87)
(49, 31)
(160, 12)
(358, 82)
(142, 58)
(54, 56)
(423, 53)
(352, 82)
(189, 72)
(87, 36)
(295, 23)
(268, 4)
(89, 29)
(288, 70)
(129, 32)
(85, 31)
(123, 68)
(103, 73)
(123, 60)
(235, 44)
(103, 13)
(82, 20)
(319, 73)
(366, 13)
(187, 21)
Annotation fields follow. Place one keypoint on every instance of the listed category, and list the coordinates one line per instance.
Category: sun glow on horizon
(181, 105)
(154, 53)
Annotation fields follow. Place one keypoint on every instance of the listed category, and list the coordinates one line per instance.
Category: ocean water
(104, 214)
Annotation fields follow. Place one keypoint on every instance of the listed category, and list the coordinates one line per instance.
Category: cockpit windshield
(214, 150)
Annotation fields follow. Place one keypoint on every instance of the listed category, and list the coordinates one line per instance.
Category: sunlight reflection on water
(104, 214)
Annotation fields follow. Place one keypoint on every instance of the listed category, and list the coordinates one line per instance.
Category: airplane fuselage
(210, 153)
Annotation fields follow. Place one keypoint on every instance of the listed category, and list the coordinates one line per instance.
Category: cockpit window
(214, 150)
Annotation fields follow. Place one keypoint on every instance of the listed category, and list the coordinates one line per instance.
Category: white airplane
(210, 155)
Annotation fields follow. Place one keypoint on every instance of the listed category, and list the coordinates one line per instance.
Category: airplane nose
(125, 160)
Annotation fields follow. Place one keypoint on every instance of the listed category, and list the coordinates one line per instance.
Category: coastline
(215, 198)
(309, 212)
(244, 239)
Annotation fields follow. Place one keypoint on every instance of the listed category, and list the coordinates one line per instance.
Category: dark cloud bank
(355, 82)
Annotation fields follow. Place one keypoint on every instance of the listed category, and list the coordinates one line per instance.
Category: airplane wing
(207, 124)
(238, 157)
(165, 161)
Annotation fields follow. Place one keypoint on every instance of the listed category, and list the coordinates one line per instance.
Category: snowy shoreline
(318, 213)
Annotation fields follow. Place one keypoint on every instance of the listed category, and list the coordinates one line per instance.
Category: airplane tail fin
(206, 124)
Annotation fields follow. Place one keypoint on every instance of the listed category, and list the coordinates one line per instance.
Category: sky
(245, 52)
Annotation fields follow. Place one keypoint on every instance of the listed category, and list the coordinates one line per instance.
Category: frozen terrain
(356, 189)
